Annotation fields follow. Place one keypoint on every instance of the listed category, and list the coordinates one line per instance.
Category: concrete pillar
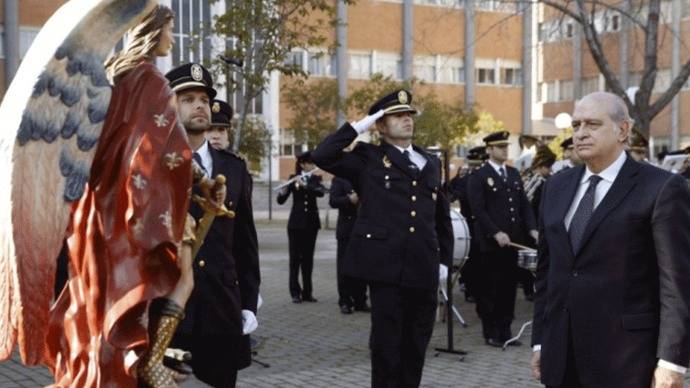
(675, 69)
(407, 54)
(577, 61)
(11, 42)
(527, 21)
(469, 54)
(624, 45)
(341, 56)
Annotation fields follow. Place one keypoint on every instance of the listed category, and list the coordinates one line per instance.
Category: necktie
(412, 165)
(583, 213)
(502, 173)
(197, 159)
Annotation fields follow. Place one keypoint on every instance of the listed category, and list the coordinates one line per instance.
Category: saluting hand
(666, 378)
(502, 239)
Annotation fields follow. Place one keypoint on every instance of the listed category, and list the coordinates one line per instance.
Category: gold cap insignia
(197, 73)
(216, 107)
(386, 162)
(402, 97)
(490, 181)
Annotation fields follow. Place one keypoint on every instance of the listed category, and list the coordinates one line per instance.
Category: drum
(527, 259)
(461, 232)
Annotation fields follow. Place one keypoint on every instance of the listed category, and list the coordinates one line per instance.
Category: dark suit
(622, 300)
(498, 206)
(303, 226)
(351, 291)
(226, 281)
(402, 232)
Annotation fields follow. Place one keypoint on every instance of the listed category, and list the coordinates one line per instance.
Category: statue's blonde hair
(142, 41)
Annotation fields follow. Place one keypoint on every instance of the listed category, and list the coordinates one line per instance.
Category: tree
(261, 33)
(253, 145)
(643, 109)
(314, 106)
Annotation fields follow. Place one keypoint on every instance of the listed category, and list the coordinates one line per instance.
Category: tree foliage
(262, 33)
(254, 143)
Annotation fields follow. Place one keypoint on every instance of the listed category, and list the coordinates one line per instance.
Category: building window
(390, 65)
(663, 80)
(295, 58)
(569, 30)
(457, 75)
(192, 20)
(511, 76)
(551, 92)
(26, 38)
(565, 92)
(590, 85)
(615, 23)
(486, 76)
(321, 64)
(360, 66)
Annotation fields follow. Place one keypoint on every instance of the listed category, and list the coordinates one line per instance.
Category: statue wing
(52, 116)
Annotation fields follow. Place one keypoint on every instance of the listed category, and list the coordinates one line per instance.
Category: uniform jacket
(403, 226)
(226, 269)
(625, 294)
(304, 213)
(347, 211)
(499, 207)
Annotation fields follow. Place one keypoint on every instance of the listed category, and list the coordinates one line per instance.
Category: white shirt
(608, 175)
(416, 158)
(498, 167)
(206, 159)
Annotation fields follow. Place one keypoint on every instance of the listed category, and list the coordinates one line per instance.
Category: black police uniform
(303, 226)
(498, 206)
(402, 232)
(351, 291)
(226, 268)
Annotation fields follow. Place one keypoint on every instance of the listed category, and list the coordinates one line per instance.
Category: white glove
(362, 125)
(249, 322)
(442, 274)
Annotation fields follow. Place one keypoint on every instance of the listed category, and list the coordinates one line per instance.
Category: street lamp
(563, 120)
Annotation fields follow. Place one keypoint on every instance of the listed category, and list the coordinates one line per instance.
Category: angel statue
(92, 153)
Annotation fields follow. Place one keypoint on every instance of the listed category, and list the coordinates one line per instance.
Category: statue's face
(166, 41)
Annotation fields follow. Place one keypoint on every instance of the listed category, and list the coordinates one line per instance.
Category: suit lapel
(624, 182)
(397, 158)
(566, 191)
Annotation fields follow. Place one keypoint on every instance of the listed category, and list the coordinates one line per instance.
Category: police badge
(197, 73)
(216, 107)
(386, 162)
(402, 97)
(490, 181)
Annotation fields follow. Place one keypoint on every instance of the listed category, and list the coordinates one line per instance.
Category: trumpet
(303, 177)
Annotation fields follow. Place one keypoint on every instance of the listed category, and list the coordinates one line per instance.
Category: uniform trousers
(216, 358)
(351, 291)
(402, 321)
(301, 244)
(496, 292)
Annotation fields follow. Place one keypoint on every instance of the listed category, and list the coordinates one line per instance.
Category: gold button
(202, 263)
(411, 229)
(510, 199)
(414, 183)
(413, 213)
(387, 177)
(306, 203)
(512, 210)
(368, 235)
(414, 198)
(512, 219)
(237, 282)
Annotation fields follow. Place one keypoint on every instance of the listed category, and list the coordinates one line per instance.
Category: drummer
(502, 216)
(457, 190)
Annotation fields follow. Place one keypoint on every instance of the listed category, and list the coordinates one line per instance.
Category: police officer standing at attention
(221, 310)
(221, 118)
(303, 225)
(402, 241)
(502, 215)
(352, 293)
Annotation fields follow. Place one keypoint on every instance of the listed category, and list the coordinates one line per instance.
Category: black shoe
(363, 308)
(309, 299)
(493, 342)
(515, 343)
(296, 299)
(529, 297)
(345, 309)
(177, 365)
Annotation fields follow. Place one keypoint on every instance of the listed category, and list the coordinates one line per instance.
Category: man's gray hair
(618, 111)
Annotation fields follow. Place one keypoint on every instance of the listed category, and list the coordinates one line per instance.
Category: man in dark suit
(221, 310)
(352, 293)
(457, 190)
(613, 280)
(402, 241)
(502, 215)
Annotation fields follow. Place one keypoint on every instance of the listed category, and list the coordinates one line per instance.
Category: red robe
(123, 235)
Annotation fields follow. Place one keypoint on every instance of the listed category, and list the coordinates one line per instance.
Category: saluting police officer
(457, 190)
(352, 292)
(402, 234)
(502, 215)
(221, 310)
(303, 226)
